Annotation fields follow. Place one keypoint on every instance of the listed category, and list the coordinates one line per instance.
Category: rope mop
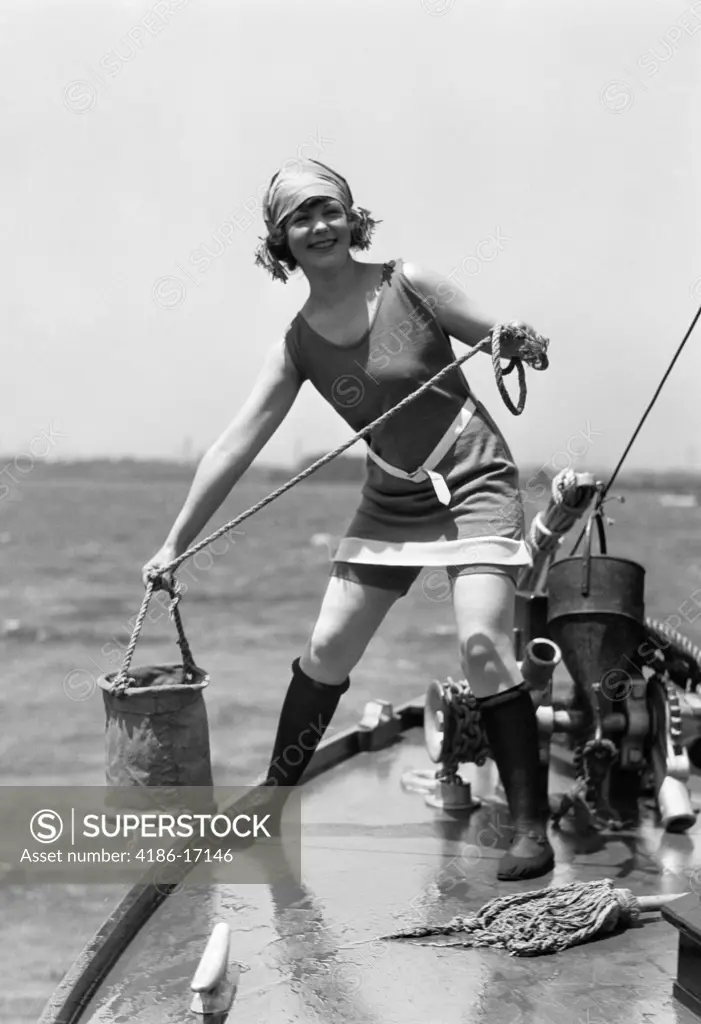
(544, 920)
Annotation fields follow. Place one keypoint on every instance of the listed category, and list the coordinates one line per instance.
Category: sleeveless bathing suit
(464, 507)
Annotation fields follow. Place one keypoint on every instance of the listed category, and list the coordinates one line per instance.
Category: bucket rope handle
(533, 349)
(121, 682)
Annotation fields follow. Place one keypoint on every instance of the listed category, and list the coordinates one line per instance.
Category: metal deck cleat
(215, 980)
(379, 726)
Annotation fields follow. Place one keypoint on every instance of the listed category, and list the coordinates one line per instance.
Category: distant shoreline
(344, 469)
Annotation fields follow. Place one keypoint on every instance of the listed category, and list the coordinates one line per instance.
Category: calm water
(71, 553)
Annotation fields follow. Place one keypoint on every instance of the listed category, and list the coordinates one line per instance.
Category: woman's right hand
(162, 557)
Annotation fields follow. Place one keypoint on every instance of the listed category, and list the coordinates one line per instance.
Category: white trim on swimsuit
(488, 550)
(426, 469)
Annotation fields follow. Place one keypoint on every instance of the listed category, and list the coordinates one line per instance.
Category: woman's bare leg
(350, 615)
(484, 611)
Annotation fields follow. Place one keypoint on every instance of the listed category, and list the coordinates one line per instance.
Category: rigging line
(602, 494)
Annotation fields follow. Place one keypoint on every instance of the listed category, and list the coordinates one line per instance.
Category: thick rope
(121, 682)
(174, 613)
(538, 922)
(532, 349)
(500, 373)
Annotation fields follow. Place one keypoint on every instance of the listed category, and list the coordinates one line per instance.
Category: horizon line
(172, 460)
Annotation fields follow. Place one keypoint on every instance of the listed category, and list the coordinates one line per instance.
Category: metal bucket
(596, 615)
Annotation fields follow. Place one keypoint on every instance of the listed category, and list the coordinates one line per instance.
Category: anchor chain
(578, 761)
(592, 762)
(464, 738)
(593, 759)
(598, 754)
(590, 759)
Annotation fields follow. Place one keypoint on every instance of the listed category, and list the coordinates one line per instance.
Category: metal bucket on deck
(596, 615)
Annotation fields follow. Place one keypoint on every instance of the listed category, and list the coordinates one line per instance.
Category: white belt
(426, 470)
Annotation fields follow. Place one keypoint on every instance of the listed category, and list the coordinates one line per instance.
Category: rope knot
(527, 346)
(532, 347)
(175, 591)
(156, 577)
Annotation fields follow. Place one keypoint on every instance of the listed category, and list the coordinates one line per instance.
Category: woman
(367, 336)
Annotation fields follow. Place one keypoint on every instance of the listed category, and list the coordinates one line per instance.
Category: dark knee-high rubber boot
(512, 732)
(306, 714)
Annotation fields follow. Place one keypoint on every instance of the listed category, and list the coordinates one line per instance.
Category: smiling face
(319, 235)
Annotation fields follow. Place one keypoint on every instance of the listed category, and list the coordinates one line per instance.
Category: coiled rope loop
(532, 349)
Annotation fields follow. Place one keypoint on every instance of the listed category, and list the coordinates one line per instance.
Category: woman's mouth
(328, 243)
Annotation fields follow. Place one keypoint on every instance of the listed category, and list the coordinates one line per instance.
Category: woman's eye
(329, 212)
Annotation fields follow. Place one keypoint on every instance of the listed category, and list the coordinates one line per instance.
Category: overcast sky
(137, 136)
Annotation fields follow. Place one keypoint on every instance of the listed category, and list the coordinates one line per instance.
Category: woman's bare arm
(268, 404)
(455, 312)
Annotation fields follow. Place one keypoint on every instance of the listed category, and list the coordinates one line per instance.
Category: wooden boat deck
(376, 858)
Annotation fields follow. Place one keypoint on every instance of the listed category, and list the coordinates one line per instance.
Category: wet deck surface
(376, 859)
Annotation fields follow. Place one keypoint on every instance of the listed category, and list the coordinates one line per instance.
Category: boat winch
(630, 710)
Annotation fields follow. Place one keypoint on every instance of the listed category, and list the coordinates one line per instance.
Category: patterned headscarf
(288, 189)
(305, 179)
